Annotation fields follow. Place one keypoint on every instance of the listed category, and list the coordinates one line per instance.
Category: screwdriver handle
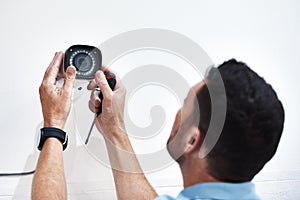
(111, 79)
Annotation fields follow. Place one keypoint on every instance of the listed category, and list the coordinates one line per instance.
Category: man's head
(252, 128)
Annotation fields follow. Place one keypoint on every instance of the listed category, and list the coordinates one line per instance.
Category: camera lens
(83, 62)
(86, 59)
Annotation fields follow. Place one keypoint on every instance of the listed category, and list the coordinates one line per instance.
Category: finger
(69, 80)
(94, 98)
(94, 102)
(107, 69)
(120, 88)
(53, 69)
(45, 78)
(118, 85)
(103, 85)
(92, 85)
(93, 108)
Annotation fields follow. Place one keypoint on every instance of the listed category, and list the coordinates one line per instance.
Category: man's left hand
(56, 102)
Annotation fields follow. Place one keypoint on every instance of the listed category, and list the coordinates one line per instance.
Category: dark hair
(253, 123)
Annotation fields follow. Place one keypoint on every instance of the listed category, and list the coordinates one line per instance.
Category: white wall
(264, 34)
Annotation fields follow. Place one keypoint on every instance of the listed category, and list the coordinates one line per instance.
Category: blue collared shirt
(216, 190)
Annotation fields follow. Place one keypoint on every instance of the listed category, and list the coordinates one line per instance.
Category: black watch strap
(53, 132)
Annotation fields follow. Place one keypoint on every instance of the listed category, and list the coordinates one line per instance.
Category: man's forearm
(130, 180)
(49, 179)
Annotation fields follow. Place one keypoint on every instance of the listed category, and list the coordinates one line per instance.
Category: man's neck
(195, 172)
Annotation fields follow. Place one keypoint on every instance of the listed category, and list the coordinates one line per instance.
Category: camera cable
(17, 174)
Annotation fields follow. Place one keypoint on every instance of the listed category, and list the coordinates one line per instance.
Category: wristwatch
(52, 132)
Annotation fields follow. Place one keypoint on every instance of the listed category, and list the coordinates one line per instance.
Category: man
(249, 138)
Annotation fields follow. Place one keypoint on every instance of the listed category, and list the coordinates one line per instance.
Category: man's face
(183, 123)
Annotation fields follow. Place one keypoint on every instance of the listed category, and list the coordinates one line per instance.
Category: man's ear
(194, 140)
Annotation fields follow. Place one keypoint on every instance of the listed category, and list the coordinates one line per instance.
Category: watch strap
(53, 132)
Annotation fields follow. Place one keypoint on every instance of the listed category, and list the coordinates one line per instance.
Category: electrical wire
(17, 174)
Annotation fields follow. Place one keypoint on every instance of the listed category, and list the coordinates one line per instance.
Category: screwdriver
(111, 80)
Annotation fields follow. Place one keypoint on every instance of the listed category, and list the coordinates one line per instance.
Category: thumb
(103, 84)
(69, 80)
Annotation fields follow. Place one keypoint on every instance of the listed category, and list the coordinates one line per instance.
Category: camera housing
(86, 59)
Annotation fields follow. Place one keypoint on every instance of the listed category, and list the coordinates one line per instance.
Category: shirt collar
(218, 190)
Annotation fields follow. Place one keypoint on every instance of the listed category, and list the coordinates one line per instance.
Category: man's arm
(49, 179)
(130, 180)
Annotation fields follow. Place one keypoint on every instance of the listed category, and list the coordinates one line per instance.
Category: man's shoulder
(216, 190)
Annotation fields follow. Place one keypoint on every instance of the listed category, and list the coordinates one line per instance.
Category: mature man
(249, 138)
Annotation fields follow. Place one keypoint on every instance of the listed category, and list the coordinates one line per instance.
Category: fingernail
(70, 73)
(99, 75)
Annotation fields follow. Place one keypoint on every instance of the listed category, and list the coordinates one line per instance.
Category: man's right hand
(111, 119)
(130, 181)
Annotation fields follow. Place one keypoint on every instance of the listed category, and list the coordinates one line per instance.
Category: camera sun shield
(86, 59)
